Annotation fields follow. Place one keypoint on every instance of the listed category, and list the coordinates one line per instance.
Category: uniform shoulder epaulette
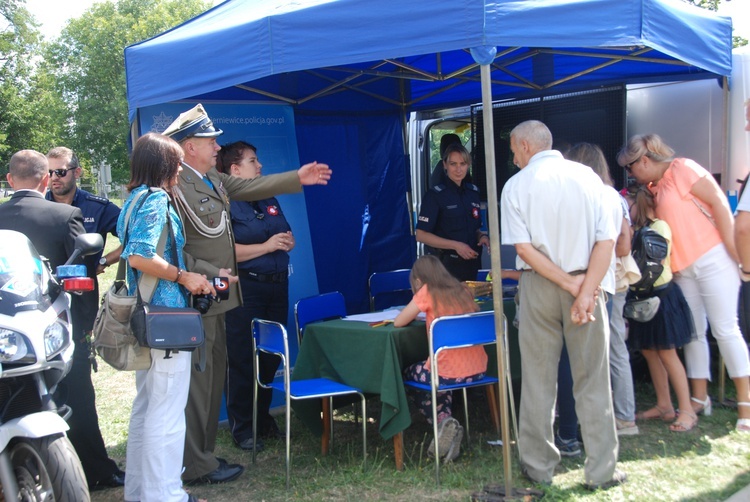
(96, 198)
(439, 188)
(472, 186)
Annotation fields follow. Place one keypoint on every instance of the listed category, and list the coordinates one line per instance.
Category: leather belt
(277, 278)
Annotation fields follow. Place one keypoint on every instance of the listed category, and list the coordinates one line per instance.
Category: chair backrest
(271, 337)
(482, 273)
(321, 307)
(464, 330)
(389, 288)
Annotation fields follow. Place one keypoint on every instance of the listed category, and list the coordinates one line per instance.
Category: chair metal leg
(255, 418)
(435, 435)
(364, 434)
(288, 439)
(466, 415)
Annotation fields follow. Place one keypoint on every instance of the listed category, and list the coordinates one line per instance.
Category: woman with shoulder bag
(156, 434)
(669, 329)
(703, 260)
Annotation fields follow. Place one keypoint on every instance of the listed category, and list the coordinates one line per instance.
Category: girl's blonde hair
(448, 293)
(643, 201)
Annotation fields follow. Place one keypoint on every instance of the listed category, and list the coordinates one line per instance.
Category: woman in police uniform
(450, 219)
(263, 240)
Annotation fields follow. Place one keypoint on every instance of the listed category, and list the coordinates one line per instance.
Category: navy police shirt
(452, 212)
(255, 223)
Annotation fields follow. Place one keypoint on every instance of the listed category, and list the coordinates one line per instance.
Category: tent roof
(363, 55)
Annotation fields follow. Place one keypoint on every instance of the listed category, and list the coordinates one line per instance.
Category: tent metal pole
(496, 267)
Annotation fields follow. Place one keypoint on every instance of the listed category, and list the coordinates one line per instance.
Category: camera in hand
(202, 303)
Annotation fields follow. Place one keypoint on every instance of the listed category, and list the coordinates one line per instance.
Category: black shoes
(223, 474)
(271, 431)
(247, 444)
(116, 480)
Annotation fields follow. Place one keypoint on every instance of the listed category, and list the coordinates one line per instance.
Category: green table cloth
(372, 359)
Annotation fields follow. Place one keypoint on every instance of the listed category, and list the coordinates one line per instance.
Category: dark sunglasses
(61, 173)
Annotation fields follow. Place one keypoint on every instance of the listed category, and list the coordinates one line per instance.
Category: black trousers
(77, 391)
(265, 300)
(463, 270)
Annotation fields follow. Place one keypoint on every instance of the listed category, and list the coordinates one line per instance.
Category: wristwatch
(103, 261)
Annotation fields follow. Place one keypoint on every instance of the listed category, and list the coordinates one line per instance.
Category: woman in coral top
(437, 293)
(703, 260)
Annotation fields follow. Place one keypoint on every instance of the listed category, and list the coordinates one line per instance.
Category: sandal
(743, 424)
(665, 415)
(682, 425)
(705, 406)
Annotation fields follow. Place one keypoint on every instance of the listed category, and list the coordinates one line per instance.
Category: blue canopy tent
(353, 69)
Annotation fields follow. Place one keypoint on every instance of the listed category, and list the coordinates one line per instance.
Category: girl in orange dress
(437, 293)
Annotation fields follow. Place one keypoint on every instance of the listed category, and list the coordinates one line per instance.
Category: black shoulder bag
(169, 328)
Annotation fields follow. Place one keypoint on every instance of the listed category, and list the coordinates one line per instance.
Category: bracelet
(179, 274)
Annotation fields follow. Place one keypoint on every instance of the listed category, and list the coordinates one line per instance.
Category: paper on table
(383, 315)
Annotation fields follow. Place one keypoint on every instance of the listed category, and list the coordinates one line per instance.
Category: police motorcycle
(37, 461)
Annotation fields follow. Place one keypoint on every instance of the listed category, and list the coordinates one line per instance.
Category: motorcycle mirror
(85, 245)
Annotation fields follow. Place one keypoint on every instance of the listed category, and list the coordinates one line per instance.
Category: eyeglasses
(61, 173)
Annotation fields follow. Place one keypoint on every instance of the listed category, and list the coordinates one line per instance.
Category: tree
(713, 5)
(87, 61)
(24, 96)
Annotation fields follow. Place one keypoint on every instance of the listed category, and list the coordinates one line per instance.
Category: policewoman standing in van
(450, 219)
(263, 240)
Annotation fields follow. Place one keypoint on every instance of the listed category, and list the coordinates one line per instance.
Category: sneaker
(447, 430)
(455, 448)
(618, 478)
(625, 428)
(568, 447)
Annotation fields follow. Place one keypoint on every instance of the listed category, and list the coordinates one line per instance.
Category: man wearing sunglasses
(51, 229)
(76, 389)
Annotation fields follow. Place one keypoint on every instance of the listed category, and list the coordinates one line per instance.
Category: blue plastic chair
(271, 337)
(321, 307)
(389, 288)
(452, 332)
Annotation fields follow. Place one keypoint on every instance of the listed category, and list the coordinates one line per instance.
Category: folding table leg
(325, 441)
(398, 450)
(494, 411)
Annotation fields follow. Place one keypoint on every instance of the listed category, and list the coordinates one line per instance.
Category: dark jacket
(51, 227)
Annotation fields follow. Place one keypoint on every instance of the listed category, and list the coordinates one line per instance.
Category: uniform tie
(208, 182)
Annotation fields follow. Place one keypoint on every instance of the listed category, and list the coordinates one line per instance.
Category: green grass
(710, 463)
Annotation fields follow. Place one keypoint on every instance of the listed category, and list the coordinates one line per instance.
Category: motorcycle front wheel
(48, 469)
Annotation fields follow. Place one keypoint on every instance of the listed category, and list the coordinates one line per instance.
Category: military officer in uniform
(76, 390)
(202, 199)
(450, 219)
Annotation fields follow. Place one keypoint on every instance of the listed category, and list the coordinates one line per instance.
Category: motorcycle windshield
(23, 275)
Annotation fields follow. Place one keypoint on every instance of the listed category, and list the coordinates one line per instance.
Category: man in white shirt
(553, 211)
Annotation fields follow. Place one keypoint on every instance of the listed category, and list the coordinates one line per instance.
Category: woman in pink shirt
(703, 259)
(437, 293)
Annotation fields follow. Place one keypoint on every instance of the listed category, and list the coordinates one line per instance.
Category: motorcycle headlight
(56, 338)
(14, 349)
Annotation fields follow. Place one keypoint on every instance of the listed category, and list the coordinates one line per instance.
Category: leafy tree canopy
(87, 62)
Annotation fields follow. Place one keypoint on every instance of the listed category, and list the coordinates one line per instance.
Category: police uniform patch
(424, 218)
(272, 210)
(204, 200)
(475, 213)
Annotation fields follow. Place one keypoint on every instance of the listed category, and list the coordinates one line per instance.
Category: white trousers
(156, 435)
(710, 286)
